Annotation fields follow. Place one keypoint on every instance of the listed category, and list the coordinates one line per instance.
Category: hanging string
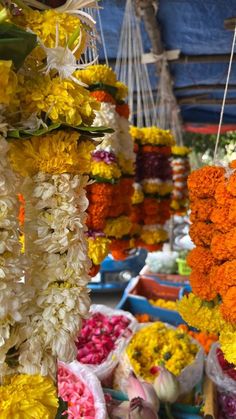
(224, 97)
(102, 36)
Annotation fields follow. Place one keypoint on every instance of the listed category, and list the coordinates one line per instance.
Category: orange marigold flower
(201, 209)
(230, 243)
(221, 193)
(201, 233)
(232, 210)
(218, 247)
(232, 164)
(155, 149)
(126, 186)
(149, 247)
(103, 96)
(224, 276)
(123, 110)
(201, 285)
(202, 182)
(228, 306)
(200, 259)
(100, 189)
(220, 217)
(231, 185)
(119, 248)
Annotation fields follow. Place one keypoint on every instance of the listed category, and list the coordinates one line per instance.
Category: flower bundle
(98, 337)
(112, 167)
(153, 187)
(211, 308)
(181, 169)
(158, 345)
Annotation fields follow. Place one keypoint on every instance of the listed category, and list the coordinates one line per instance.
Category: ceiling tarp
(196, 28)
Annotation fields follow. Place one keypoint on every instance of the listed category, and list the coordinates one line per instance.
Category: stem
(74, 36)
(168, 411)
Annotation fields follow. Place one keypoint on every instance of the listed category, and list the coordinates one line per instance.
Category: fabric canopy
(196, 28)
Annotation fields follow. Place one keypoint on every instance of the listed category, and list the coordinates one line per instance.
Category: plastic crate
(183, 267)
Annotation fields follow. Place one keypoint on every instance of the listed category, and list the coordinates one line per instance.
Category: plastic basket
(183, 267)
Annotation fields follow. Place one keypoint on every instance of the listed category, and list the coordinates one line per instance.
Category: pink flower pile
(72, 390)
(98, 337)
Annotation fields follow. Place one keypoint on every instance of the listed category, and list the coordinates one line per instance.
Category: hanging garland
(181, 169)
(211, 306)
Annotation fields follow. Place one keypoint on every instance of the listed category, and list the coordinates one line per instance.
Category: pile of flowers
(153, 185)
(159, 345)
(205, 339)
(166, 304)
(98, 337)
(181, 169)
(112, 167)
(211, 306)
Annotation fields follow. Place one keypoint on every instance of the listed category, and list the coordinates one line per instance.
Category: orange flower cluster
(205, 339)
(103, 96)
(213, 261)
(123, 110)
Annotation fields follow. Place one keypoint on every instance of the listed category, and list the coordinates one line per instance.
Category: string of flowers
(181, 169)
(211, 306)
(112, 168)
(153, 185)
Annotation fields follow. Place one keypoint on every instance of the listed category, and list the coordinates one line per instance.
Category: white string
(102, 36)
(224, 97)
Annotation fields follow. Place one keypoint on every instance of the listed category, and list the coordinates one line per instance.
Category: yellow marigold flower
(28, 396)
(8, 82)
(138, 195)
(85, 149)
(118, 227)
(157, 344)
(154, 236)
(98, 249)
(152, 135)
(62, 100)
(180, 150)
(126, 165)
(203, 315)
(101, 73)
(153, 188)
(228, 345)
(44, 24)
(104, 170)
(55, 153)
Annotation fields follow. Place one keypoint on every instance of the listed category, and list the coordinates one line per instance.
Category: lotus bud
(166, 386)
(140, 409)
(145, 391)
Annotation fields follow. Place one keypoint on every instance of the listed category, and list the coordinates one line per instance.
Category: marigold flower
(202, 286)
(154, 236)
(98, 249)
(56, 152)
(228, 345)
(103, 96)
(154, 188)
(228, 306)
(231, 184)
(100, 190)
(138, 195)
(202, 182)
(224, 276)
(8, 82)
(232, 210)
(118, 227)
(119, 248)
(218, 247)
(221, 193)
(220, 217)
(123, 110)
(165, 151)
(152, 135)
(180, 150)
(105, 171)
(200, 259)
(201, 233)
(136, 214)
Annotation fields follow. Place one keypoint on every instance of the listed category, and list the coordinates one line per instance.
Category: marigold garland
(8, 82)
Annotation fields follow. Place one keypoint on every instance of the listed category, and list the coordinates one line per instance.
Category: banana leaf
(15, 43)
(94, 132)
(112, 90)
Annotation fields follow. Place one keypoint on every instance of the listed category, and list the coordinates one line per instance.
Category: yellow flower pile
(158, 345)
(8, 82)
(153, 188)
(102, 74)
(152, 135)
(118, 227)
(207, 317)
(180, 150)
(55, 153)
(28, 397)
(98, 249)
(62, 100)
(106, 171)
(44, 24)
(167, 304)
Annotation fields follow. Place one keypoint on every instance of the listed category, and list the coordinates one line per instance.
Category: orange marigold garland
(212, 192)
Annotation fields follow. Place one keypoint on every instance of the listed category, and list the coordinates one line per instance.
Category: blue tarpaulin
(195, 27)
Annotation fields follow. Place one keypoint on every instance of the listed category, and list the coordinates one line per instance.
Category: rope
(102, 35)
(224, 97)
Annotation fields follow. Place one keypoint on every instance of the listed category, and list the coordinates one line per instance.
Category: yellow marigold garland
(118, 227)
(98, 249)
(8, 82)
(152, 135)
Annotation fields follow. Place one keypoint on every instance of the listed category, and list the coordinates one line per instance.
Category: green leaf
(63, 406)
(106, 87)
(91, 132)
(15, 43)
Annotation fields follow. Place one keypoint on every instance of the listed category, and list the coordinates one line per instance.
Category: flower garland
(181, 169)
(212, 194)
(153, 187)
(112, 168)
